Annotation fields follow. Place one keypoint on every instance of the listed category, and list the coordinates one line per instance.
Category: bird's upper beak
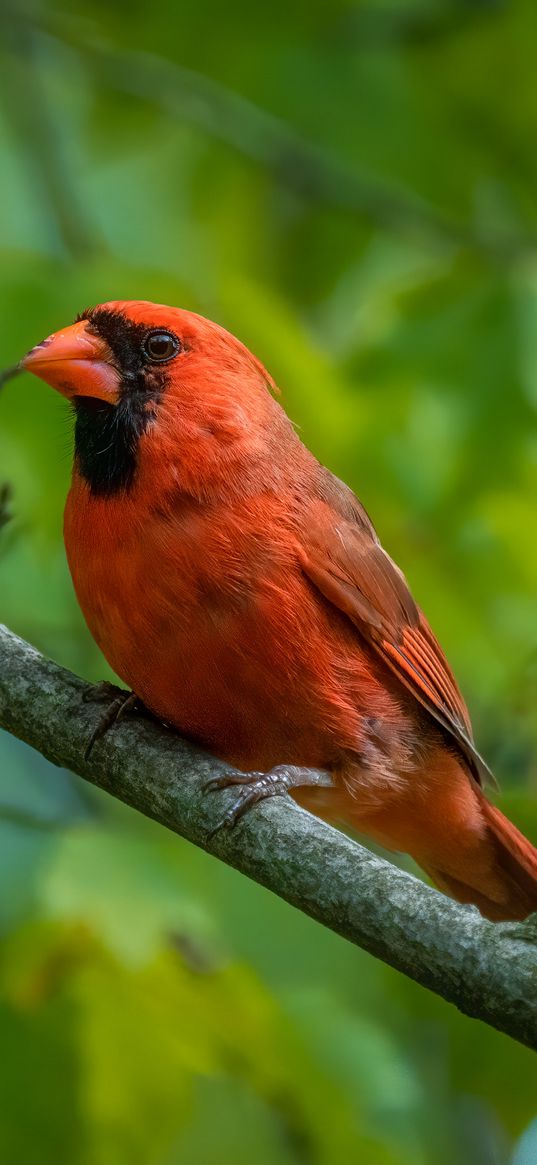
(76, 362)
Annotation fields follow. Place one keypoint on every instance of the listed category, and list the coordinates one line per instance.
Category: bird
(241, 593)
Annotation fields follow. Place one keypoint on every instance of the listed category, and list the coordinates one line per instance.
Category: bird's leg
(119, 702)
(258, 786)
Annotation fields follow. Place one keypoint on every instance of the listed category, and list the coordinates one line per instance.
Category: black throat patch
(106, 442)
(107, 435)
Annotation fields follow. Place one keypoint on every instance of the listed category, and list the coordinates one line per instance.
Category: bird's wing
(341, 555)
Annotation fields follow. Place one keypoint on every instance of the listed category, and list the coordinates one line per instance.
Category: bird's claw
(523, 931)
(258, 786)
(120, 702)
(104, 690)
(253, 787)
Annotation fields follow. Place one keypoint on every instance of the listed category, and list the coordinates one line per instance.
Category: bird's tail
(442, 818)
(506, 888)
(465, 844)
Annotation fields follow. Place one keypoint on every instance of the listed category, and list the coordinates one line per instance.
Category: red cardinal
(240, 590)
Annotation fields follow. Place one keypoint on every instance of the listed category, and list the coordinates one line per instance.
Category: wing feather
(342, 556)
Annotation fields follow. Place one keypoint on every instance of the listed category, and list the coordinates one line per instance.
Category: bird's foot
(523, 931)
(257, 786)
(119, 702)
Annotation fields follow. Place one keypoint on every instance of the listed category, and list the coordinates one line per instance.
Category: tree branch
(489, 971)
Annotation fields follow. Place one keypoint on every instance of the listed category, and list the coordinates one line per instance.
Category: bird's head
(157, 388)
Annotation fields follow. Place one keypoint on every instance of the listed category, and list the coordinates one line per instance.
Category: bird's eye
(160, 346)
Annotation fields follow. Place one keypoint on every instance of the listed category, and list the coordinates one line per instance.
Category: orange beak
(76, 363)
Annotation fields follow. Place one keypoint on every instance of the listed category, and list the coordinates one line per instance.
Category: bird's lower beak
(75, 362)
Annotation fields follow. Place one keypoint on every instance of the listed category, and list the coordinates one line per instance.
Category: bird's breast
(207, 617)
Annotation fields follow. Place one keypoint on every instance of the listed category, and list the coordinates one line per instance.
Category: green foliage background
(351, 188)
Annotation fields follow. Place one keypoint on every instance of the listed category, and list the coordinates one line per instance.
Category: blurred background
(351, 188)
